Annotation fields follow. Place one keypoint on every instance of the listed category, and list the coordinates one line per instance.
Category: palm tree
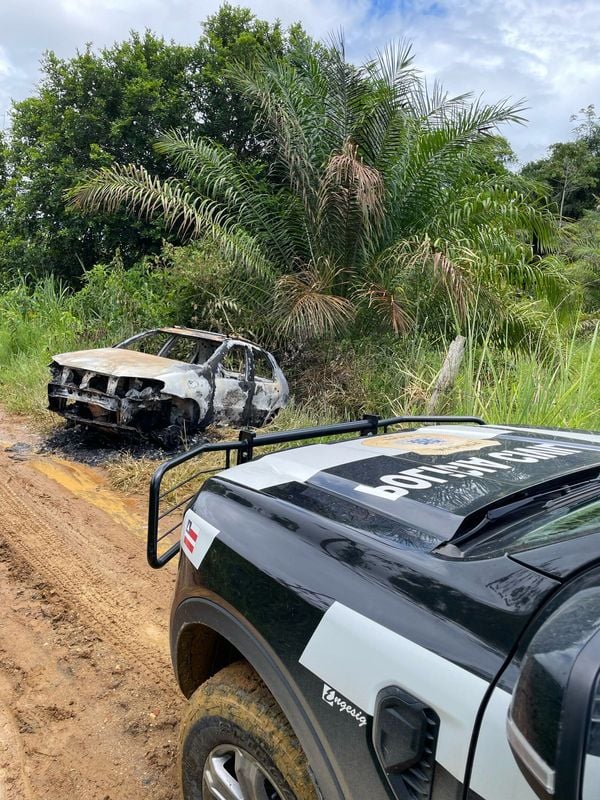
(376, 185)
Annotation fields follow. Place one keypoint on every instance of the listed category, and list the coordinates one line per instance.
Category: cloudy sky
(546, 51)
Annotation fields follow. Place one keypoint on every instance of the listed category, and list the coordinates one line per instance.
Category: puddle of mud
(82, 481)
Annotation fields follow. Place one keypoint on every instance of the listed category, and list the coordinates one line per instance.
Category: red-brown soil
(89, 707)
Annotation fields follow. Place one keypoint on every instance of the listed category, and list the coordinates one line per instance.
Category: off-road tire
(234, 707)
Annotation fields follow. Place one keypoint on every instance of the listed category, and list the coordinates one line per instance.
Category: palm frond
(440, 157)
(288, 106)
(394, 68)
(350, 201)
(176, 203)
(455, 281)
(435, 106)
(390, 306)
(218, 174)
(307, 306)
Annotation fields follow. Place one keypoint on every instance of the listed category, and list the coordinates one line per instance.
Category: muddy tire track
(89, 707)
(76, 555)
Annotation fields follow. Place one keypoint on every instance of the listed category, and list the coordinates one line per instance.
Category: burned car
(167, 382)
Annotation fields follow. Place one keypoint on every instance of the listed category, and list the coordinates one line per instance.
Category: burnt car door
(268, 389)
(234, 388)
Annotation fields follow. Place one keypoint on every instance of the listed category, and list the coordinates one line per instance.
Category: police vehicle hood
(437, 478)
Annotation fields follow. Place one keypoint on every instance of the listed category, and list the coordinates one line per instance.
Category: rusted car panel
(222, 380)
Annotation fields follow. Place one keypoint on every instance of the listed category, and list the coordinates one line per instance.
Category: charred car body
(168, 379)
(413, 615)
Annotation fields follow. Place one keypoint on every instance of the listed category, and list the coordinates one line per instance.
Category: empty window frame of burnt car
(168, 377)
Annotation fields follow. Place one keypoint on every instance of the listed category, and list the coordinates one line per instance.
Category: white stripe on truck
(358, 657)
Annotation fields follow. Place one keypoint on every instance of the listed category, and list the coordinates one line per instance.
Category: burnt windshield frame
(547, 523)
(160, 337)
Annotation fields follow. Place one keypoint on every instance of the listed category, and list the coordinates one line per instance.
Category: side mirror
(553, 724)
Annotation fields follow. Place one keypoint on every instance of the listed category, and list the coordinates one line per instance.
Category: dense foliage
(571, 171)
(581, 246)
(379, 194)
(99, 108)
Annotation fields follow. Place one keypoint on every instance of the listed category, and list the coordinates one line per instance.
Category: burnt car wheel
(236, 744)
(271, 416)
(170, 438)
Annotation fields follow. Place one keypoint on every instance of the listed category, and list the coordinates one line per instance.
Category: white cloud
(543, 50)
(6, 68)
(8, 73)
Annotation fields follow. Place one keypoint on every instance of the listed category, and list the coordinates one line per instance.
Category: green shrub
(34, 324)
(209, 292)
(116, 302)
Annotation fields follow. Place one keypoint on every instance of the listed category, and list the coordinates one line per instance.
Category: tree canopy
(109, 106)
(235, 36)
(571, 170)
(380, 191)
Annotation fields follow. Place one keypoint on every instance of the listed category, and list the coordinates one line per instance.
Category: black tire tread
(238, 694)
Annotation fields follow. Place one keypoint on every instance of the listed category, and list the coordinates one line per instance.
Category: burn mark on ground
(93, 447)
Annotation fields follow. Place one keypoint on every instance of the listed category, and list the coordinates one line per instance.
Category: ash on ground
(96, 448)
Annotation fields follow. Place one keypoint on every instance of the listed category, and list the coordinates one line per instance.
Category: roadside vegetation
(384, 194)
(351, 218)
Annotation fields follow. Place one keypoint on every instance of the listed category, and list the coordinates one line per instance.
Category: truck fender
(208, 620)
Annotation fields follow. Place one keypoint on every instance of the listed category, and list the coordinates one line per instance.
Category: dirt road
(88, 704)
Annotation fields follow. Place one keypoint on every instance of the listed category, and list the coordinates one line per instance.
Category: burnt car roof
(439, 480)
(208, 335)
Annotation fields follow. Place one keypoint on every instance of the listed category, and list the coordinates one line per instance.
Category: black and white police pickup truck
(405, 614)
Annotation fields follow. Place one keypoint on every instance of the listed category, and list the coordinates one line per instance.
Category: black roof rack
(245, 448)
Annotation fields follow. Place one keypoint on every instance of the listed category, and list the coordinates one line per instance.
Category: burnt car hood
(121, 363)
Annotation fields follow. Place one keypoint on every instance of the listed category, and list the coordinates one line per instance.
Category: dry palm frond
(452, 273)
(455, 282)
(349, 185)
(390, 305)
(403, 257)
(307, 304)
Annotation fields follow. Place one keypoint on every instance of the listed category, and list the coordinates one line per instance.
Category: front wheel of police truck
(236, 744)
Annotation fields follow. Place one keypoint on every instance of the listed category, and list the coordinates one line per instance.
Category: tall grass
(556, 385)
(548, 385)
(34, 324)
(556, 389)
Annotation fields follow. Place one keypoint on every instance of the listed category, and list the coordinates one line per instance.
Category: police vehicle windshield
(548, 522)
